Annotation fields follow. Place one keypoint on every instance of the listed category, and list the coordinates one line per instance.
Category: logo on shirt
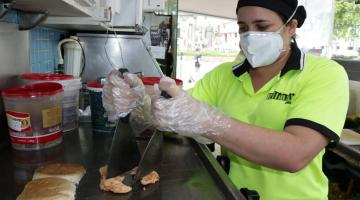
(281, 96)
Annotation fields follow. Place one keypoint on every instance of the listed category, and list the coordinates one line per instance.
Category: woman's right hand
(121, 94)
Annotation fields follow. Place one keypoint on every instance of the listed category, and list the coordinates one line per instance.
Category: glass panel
(203, 43)
(161, 35)
(346, 38)
(316, 33)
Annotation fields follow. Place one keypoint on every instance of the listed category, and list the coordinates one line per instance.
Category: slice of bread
(48, 188)
(70, 172)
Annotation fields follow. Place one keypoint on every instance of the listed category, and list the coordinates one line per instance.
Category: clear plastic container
(34, 115)
(70, 103)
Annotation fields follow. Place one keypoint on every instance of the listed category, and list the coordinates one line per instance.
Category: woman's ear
(292, 27)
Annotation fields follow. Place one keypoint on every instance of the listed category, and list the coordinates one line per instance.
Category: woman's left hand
(185, 115)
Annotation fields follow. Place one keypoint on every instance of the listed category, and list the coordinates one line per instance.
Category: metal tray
(188, 170)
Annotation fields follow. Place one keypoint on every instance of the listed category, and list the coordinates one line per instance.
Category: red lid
(154, 80)
(94, 84)
(34, 90)
(46, 77)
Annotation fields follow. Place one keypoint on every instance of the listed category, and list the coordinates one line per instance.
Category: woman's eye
(262, 28)
(242, 29)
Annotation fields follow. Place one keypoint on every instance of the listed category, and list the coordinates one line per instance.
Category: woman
(279, 107)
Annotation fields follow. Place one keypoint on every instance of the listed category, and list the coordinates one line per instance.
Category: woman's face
(253, 18)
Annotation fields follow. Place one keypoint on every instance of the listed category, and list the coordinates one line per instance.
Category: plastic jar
(70, 103)
(99, 119)
(34, 114)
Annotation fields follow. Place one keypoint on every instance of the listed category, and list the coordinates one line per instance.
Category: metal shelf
(71, 8)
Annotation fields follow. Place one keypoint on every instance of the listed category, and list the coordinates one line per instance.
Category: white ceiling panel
(218, 8)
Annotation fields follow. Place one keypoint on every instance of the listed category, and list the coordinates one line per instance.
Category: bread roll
(70, 172)
(48, 188)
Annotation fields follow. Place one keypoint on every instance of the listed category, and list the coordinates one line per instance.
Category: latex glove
(121, 94)
(185, 115)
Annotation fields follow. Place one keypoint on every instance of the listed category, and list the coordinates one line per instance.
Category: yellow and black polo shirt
(310, 91)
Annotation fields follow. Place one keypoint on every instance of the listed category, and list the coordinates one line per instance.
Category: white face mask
(263, 48)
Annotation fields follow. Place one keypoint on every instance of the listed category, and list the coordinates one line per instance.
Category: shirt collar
(295, 62)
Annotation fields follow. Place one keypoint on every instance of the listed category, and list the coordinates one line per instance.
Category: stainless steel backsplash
(106, 52)
(14, 60)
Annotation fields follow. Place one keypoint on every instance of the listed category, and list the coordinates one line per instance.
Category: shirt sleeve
(206, 89)
(321, 104)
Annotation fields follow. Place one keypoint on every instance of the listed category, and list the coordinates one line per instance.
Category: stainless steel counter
(188, 170)
(341, 163)
(351, 153)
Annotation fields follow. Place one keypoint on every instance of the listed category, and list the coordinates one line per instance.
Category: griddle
(188, 170)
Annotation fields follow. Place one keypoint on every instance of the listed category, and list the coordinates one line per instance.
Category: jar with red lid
(34, 114)
(149, 83)
(70, 103)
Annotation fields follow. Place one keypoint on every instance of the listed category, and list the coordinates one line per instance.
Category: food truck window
(345, 43)
(346, 34)
(315, 36)
(332, 29)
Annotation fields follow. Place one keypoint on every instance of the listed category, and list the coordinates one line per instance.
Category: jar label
(51, 116)
(37, 139)
(18, 122)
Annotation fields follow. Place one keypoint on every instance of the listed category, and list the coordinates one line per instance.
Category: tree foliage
(347, 20)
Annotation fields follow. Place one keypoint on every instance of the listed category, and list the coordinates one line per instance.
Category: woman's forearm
(289, 150)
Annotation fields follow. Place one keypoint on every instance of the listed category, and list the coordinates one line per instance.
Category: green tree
(347, 20)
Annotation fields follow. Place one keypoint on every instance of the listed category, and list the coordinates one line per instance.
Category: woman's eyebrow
(253, 22)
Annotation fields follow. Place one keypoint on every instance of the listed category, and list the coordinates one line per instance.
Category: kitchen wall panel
(43, 45)
(43, 49)
(10, 17)
(14, 60)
